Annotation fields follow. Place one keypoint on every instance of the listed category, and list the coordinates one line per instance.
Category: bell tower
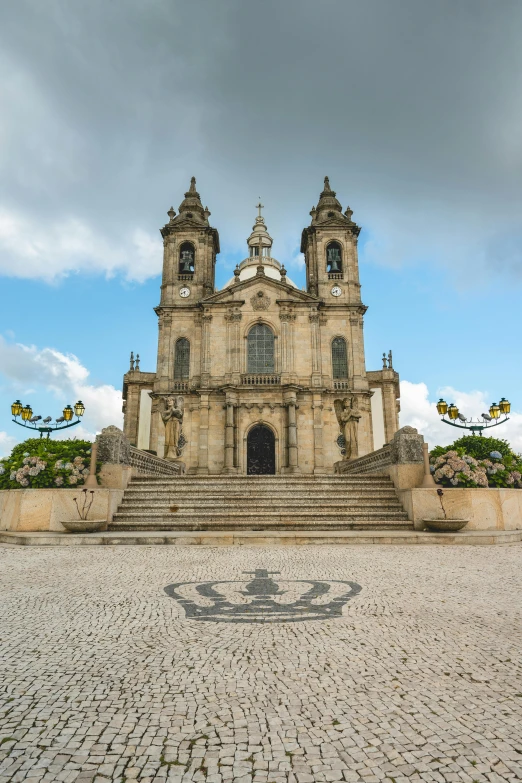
(329, 245)
(189, 256)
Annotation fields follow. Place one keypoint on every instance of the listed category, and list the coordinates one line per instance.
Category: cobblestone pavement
(103, 678)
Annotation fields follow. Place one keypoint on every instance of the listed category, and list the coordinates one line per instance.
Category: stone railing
(341, 385)
(401, 459)
(335, 275)
(145, 464)
(180, 386)
(260, 380)
(376, 462)
(120, 461)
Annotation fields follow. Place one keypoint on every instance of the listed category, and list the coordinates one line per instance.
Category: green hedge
(41, 463)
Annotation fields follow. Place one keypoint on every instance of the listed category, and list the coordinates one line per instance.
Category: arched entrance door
(260, 451)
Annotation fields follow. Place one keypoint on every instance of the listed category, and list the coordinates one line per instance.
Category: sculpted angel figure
(348, 417)
(172, 419)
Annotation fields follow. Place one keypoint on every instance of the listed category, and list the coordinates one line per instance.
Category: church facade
(258, 371)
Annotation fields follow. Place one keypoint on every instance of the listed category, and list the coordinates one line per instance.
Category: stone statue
(172, 419)
(348, 417)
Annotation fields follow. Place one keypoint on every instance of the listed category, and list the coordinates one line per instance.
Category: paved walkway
(103, 677)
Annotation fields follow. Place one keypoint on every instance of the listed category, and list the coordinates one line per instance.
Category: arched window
(186, 259)
(260, 350)
(339, 358)
(334, 258)
(182, 360)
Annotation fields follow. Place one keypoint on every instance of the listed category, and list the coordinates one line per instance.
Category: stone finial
(207, 213)
(407, 446)
(113, 446)
(348, 212)
(283, 274)
(327, 188)
(138, 362)
(390, 361)
(192, 188)
(384, 361)
(171, 213)
(131, 368)
(237, 272)
(260, 270)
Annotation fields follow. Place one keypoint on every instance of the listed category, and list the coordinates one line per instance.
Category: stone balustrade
(401, 459)
(376, 462)
(145, 464)
(260, 379)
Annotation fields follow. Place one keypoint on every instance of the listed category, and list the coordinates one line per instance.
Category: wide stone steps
(256, 503)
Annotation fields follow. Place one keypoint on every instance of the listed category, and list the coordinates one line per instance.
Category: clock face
(184, 292)
(336, 291)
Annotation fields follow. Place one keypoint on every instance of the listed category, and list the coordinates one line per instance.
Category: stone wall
(44, 509)
(486, 509)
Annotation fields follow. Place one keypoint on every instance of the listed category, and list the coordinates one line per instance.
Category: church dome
(259, 245)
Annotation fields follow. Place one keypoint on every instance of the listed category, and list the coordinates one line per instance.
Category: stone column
(317, 406)
(316, 348)
(291, 405)
(233, 319)
(205, 350)
(229, 436)
(203, 433)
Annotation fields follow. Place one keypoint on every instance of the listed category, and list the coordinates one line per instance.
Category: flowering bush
(454, 468)
(480, 448)
(46, 463)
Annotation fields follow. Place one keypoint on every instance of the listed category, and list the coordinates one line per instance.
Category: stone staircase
(219, 503)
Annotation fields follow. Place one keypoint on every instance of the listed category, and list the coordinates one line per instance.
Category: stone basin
(445, 525)
(84, 525)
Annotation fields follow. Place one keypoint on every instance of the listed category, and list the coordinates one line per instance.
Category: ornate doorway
(260, 451)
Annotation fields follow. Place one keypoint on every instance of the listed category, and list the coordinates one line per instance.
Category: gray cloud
(412, 108)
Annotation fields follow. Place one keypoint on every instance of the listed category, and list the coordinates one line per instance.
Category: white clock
(336, 291)
(184, 292)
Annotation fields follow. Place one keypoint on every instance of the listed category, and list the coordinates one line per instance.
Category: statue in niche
(172, 419)
(348, 416)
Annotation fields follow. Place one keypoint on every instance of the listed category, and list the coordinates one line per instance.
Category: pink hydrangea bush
(453, 469)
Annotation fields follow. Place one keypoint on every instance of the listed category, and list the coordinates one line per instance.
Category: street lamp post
(25, 412)
(488, 420)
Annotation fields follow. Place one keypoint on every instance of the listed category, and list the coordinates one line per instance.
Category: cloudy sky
(414, 110)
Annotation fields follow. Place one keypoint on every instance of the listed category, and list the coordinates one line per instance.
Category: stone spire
(191, 204)
(330, 209)
(259, 235)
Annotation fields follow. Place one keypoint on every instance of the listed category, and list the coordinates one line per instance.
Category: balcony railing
(341, 385)
(335, 275)
(180, 386)
(260, 379)
(186, 277)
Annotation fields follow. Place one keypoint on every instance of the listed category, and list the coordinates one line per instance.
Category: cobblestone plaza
(104, 676)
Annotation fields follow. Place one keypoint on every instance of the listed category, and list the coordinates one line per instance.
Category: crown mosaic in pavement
(261, 600)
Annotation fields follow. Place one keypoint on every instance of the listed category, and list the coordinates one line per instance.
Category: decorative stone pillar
(205, 349)
(230, 436)
(316, 348)
(164, 340)
(287, 319)
(291, 406)
(317, 406)
(203, 433)
(233, 319)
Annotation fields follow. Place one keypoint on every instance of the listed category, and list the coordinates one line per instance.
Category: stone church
(257, 372)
